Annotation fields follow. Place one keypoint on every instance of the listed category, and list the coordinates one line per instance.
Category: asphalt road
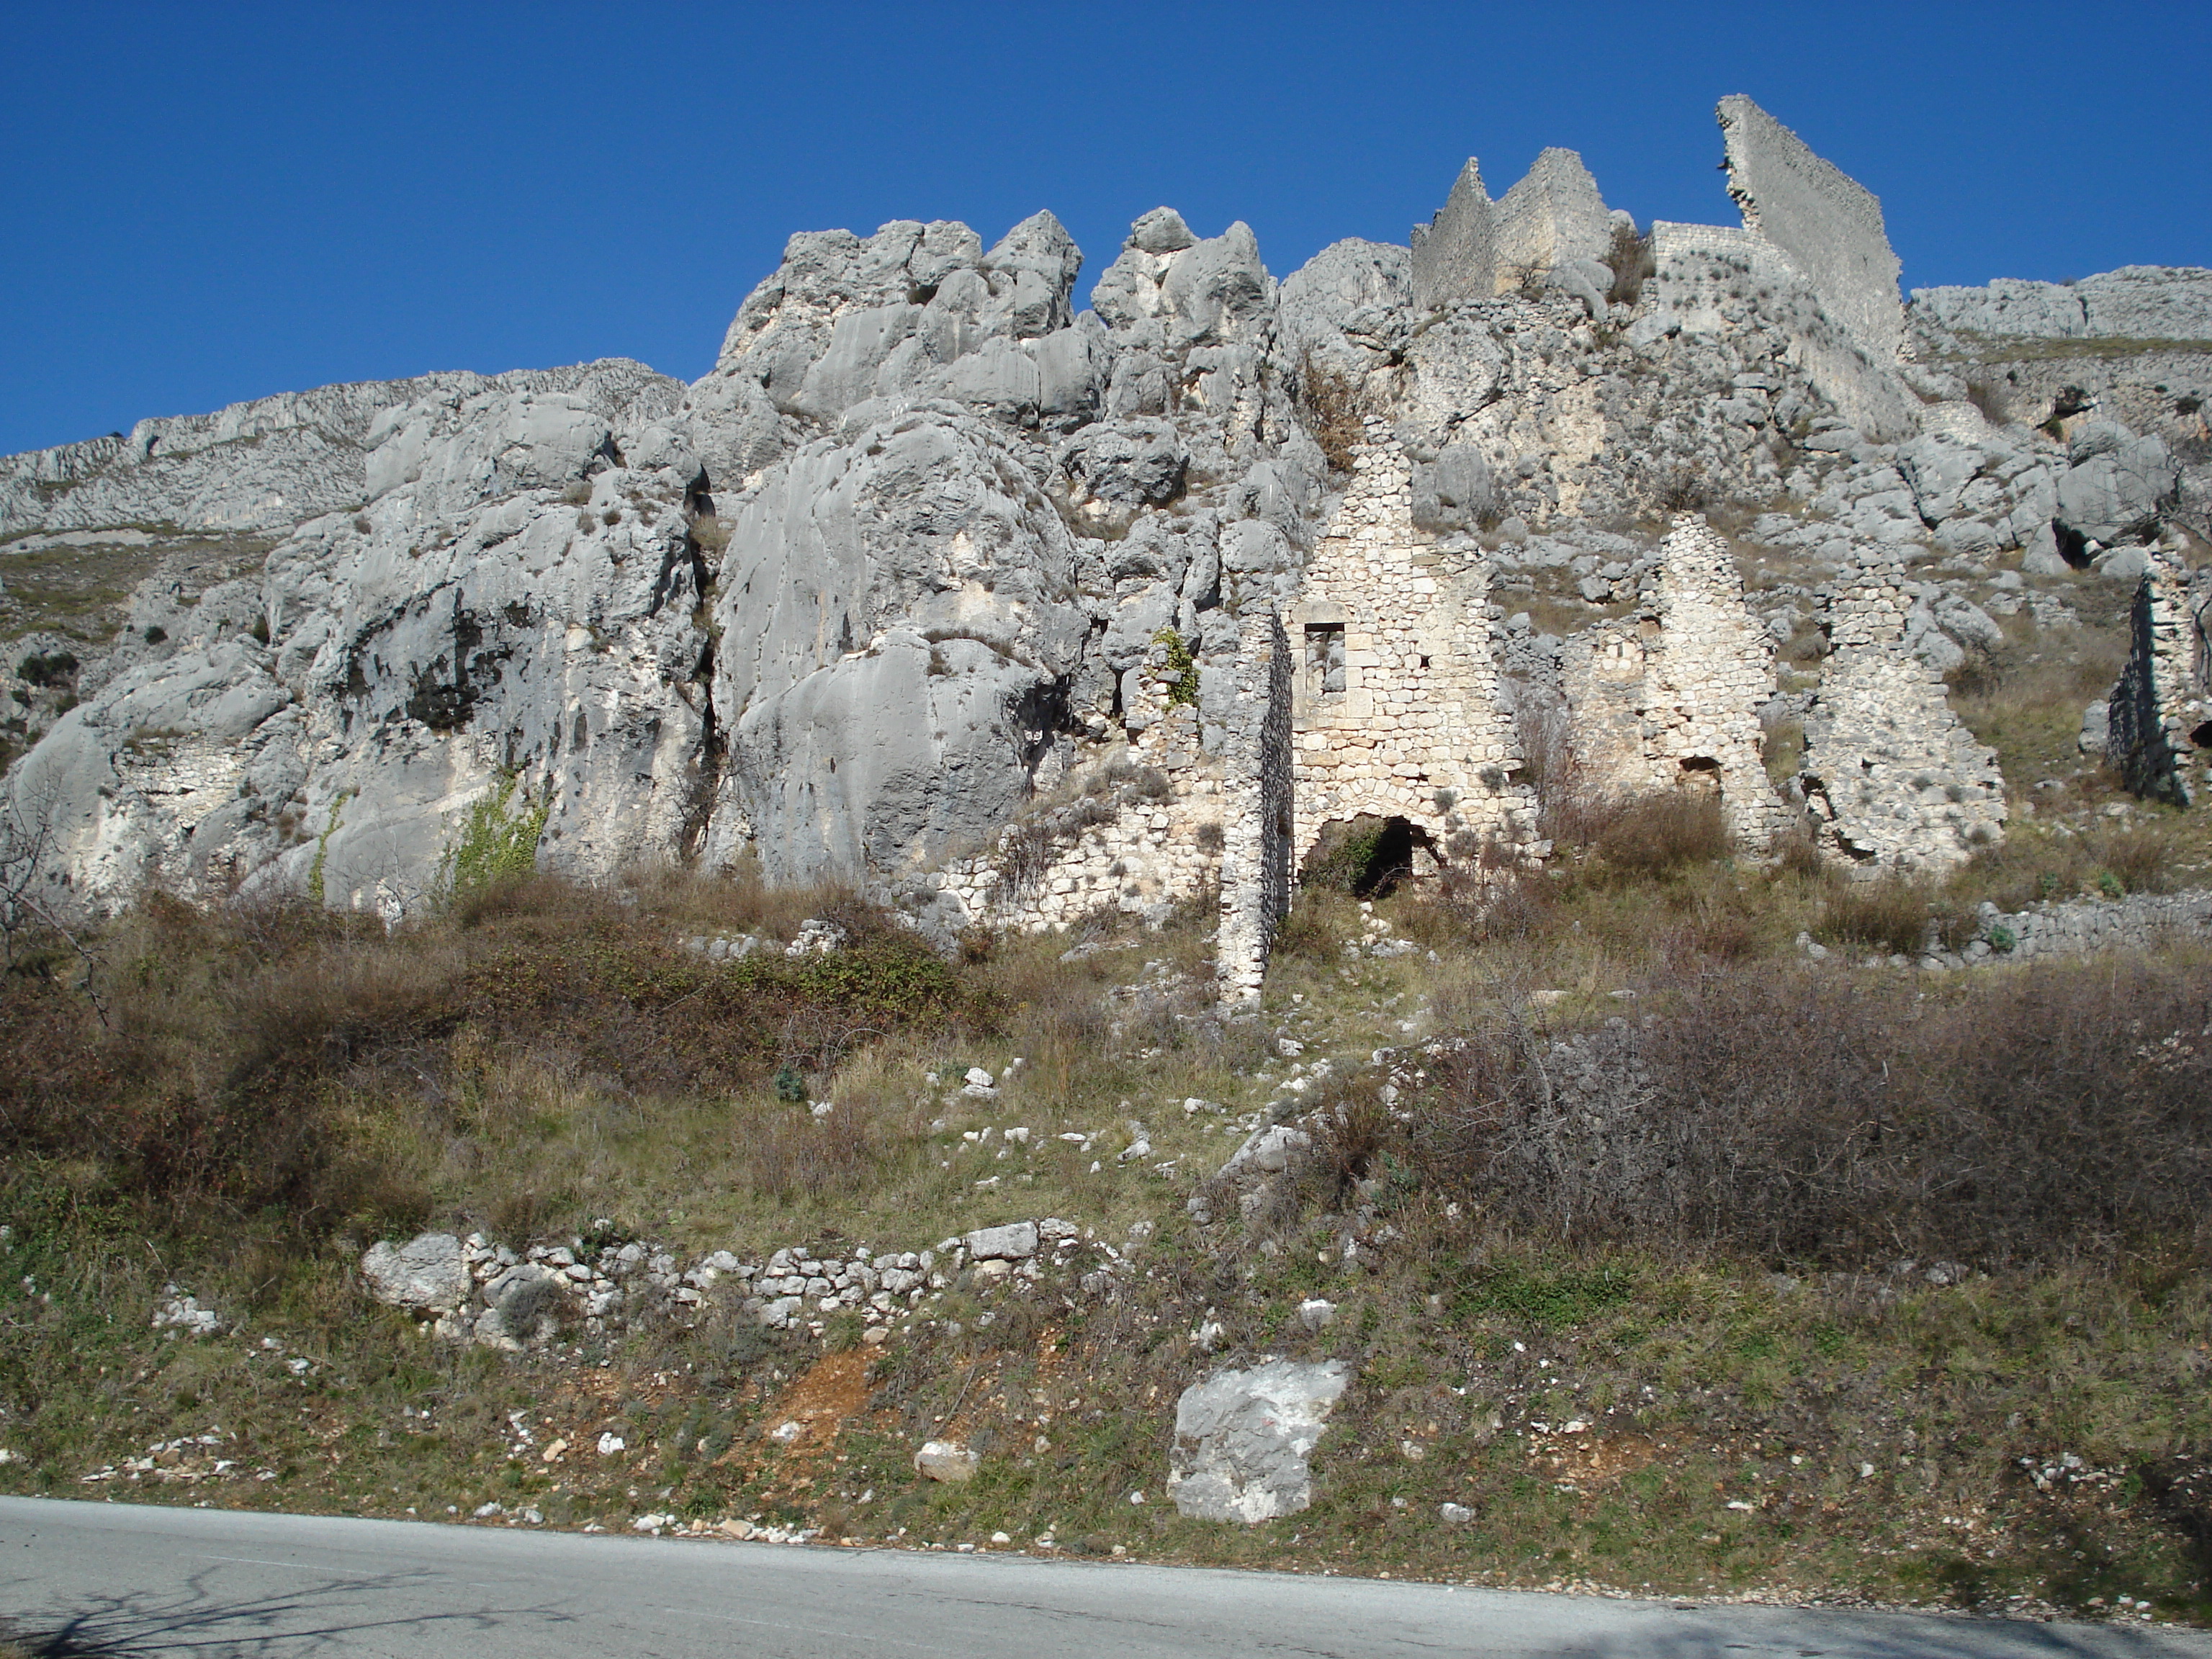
(116, 1578)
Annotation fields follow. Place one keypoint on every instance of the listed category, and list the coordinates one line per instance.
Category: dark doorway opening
(1367, 856)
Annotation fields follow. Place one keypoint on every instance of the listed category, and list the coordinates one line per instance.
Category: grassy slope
(278, 1089)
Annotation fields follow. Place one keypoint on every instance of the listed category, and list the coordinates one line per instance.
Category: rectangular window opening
(1325, 659)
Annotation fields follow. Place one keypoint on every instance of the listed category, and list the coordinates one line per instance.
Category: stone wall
(1258, 808)
(1142, 859)
(2073, 928)
(1669, 697)
(1552, 216)
(2159, 715)
(1396, 707)
(1829, 225)
(1716, 280)
(1455, 253)
(1892, 779)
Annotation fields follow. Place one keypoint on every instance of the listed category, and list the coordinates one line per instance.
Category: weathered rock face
(268, 463)
(428, 1275)
(2135, 302)
(1242, 1438)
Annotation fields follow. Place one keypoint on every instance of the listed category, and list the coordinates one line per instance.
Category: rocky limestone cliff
(930, 547)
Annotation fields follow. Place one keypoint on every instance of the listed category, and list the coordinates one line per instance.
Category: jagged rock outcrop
(940, 584)
(268, 463)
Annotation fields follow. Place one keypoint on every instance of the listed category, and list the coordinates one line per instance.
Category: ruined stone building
(1395, 710)
(2159, 715)
(1893, 780)
(1669, 697)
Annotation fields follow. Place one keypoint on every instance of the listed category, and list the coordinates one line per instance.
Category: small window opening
(2202, 736)
(1325, 659)
(1425, 662)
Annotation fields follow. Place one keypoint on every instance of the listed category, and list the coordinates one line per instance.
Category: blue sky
(209, 202)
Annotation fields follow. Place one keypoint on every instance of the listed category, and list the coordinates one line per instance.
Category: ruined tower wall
(1455, 253)
(1396, 707)
(1893, 780)
(1830, 225)
(1553, 215)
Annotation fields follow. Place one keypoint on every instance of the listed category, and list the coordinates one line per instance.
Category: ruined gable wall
(1894, 781)
(1455, 253)
(1829, 225)
(2163, 699)
(1554, 214)
(1670, 698)
(1419, 716)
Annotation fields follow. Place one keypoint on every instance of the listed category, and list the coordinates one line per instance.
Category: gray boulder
(428, 1275)
(2118, 486)
(1242, 1438)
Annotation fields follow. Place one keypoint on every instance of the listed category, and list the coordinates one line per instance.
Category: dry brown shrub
(1333, 411)
(1656, 834)
(1811, 1116)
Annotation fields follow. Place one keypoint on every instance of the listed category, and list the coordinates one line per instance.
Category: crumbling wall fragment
(2159, 715)
(1669, 697)
(1258, 808)
(1892, 779)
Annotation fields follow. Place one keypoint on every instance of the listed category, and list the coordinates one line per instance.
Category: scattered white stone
(1317, 1314)
(1458, 1514)
(612, 1443)
(946, 1459)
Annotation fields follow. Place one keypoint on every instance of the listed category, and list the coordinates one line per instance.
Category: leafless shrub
(1333, 407)
(2063, 1110)
(1658, 833)
(1631, 261)
(1990, 399)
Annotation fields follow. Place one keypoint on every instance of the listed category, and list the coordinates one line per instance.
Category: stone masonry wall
(2159, 715)
(1396, 706)
(1259, 809)
(1830, 225)
(1553, 215)
(1892, 779)
(1150, 856)
(1455, 253)
(1669, 697)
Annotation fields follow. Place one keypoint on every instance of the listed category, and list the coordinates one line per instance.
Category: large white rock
(428, 1275)
(1242, 1438)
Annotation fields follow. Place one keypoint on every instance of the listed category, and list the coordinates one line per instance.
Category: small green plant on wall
(498, 842)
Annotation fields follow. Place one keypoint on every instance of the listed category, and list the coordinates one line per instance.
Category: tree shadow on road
(327, 1615)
